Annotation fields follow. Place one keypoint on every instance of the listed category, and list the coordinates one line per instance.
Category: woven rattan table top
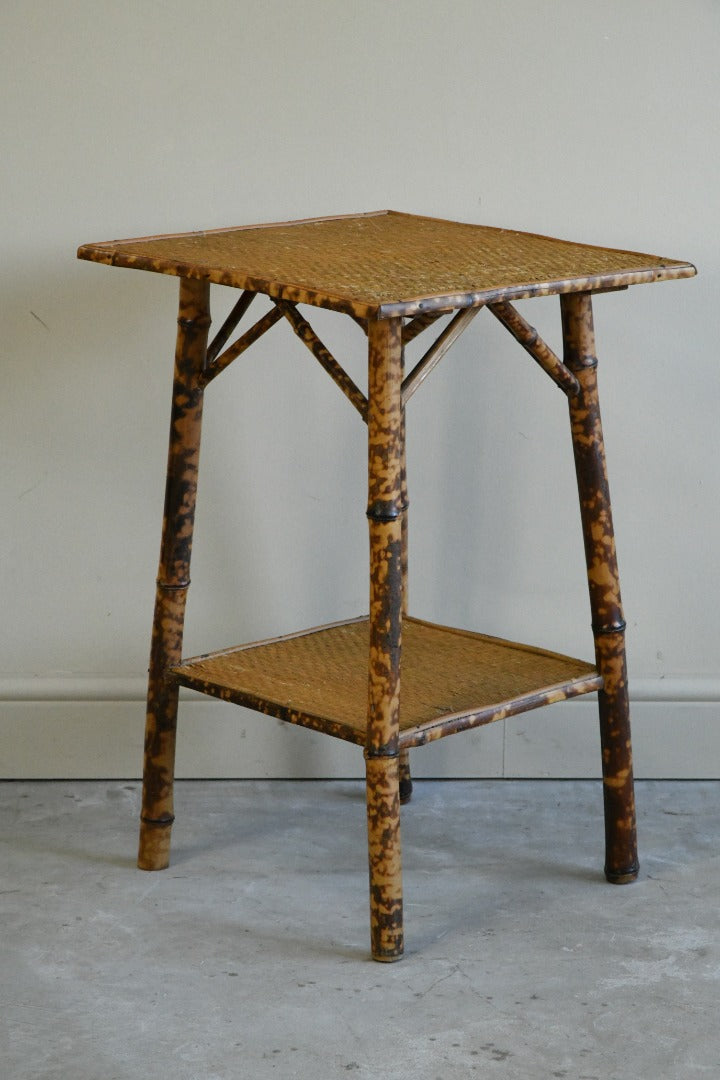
(387, 263)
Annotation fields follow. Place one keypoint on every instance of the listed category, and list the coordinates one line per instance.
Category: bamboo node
(582, 363)
(371, 753)
(617, 627)
(381, 511)
(199, 322)
(161, 823)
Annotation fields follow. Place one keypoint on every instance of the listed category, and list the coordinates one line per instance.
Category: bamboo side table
(396, 275)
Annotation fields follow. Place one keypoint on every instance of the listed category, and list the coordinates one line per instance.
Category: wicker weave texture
(386, 263)
(319, 678)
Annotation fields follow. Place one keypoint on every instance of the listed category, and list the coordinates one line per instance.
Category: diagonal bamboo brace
(248, 338)
(540, 351)
(419, 323)
(436, 351)
(307, 335)
(223, 335)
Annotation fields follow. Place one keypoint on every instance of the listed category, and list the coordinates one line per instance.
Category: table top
(385, 264)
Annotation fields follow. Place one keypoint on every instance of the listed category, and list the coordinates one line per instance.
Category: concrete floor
(248, 958)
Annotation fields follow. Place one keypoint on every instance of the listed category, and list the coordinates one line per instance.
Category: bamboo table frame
(395, 275)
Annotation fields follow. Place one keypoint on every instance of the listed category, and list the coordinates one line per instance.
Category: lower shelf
(451, 679)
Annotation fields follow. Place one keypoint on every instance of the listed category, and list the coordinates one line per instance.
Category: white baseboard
(88, 728)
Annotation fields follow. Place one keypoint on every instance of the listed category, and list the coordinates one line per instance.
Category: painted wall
(594, 122)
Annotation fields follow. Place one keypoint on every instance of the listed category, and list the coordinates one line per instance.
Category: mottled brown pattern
(621, 857)
(420, 323)
(173, 575)
(437, 350)
(385, 513)
(256, 331)
(386, 510)
(231, 322)
(540, 351)
(405, 774)
(308, 337)
(384, 857)
(621, 862)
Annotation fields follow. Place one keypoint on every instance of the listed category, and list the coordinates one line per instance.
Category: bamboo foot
(623, 877)
(154, 847)
(621, 857)
(406, 784)
(406, 790)
(386, 906)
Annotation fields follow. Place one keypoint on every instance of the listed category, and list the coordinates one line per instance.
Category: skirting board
(93, 729)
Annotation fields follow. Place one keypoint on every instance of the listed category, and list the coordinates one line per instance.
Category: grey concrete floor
(249, 956)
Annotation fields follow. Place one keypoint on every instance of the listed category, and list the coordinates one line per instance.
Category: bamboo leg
(173, 575)
(621, 861)
(385, 515)
(406, 784)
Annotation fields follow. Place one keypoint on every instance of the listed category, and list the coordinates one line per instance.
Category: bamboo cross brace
(540, 351)
(436, 352)
(248, 338)
(412, 327)
(223, 334)
(419, 323)
(308, 336)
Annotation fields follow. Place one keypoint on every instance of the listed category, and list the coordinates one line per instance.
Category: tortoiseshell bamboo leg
(385, 514)
(173, 575)
(406, 784)
(621, 861)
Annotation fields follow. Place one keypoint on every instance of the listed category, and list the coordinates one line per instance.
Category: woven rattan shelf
(386, 682)
(452, 679)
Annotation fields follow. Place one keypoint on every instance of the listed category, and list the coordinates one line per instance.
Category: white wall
(595, 122)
